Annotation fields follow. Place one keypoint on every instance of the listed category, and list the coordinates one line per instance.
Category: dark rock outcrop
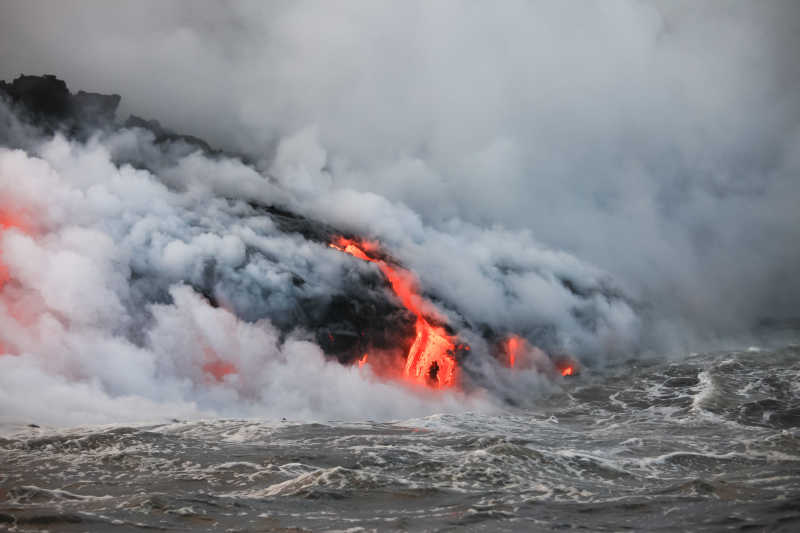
(46, 100)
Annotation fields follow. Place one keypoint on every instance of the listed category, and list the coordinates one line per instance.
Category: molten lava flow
(430, 360)
(7, 220)
(219, 369)
(216, 366)
(520, 355)
(10, 220)
(514, 347)
(566, 365)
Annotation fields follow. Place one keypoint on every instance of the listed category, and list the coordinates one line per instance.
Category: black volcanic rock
(46, 94)
(48, 102)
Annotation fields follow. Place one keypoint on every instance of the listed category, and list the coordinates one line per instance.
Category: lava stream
(430, 360)
(514, 346)
(8, 220)
(567, 367)
(521, 355)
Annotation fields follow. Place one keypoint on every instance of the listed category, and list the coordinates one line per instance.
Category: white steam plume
(486, 146)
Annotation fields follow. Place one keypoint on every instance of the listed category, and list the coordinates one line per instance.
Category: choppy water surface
(707, 443)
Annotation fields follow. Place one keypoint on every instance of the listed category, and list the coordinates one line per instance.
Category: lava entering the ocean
(430, 360)
(8, 220)
(514, 346)
(520, 355)
(566, 367)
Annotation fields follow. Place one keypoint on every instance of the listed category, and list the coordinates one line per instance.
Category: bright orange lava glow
(219, 369)
(430, 360)
(362, 361)
(514, 347)
(567, 366)
(215, 366)
(8, 220)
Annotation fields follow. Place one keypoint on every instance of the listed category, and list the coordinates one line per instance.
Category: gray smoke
(629, 147)
(659, 142)
(100, 319)
(131, 290)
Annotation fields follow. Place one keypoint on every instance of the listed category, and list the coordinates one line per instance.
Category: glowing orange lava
(8, 220)
(566, 366)
(219, 369)
(514, 347)
(216, 366)
(362, 361)
(430, 360)
(521, 355)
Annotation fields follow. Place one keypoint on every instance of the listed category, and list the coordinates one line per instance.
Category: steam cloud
(642, 151)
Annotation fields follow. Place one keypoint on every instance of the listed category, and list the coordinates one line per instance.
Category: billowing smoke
(102, 323)
(140, 269)
(602, 180)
